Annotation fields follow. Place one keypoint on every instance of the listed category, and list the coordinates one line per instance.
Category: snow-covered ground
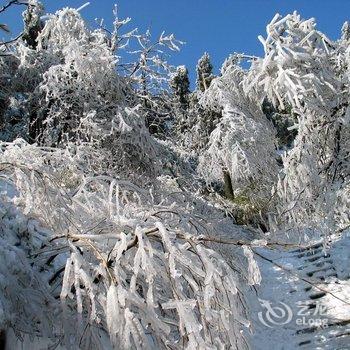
(321, 281)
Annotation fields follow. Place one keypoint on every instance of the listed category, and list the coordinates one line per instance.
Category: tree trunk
(2, 340)
(228, 190)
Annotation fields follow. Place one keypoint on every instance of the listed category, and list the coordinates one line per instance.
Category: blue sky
(219, 27)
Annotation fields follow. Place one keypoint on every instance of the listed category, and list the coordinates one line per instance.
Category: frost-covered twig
(145, 283)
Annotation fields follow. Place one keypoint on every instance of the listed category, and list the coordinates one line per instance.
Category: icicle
(114, 322)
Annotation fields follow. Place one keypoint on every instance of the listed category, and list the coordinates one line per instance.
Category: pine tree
(345, 31)
(199, 121)
(204, 72)
(180, 85)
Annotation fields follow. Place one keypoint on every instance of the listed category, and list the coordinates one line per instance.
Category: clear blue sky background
(219, 27)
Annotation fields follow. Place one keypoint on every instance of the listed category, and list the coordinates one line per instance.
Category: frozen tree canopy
(133, 209)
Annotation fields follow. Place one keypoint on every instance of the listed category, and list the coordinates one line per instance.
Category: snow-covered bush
(124, 272)
(22, 288)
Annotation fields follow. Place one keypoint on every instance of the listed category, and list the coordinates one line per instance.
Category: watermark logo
(279, 314)
(274, 314)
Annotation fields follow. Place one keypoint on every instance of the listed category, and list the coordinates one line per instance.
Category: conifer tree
(180, 85)
(204, 72)
(200, 120)
(345, 31)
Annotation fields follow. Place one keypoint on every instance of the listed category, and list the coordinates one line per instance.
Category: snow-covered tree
(204, 72)
(72, 93)
(81, 84)
(113, 237)
(180, 84)
(105, 263)
(241, 150)
(32, 22)
(306, 72)
(199, 120)
(151, 73)
(345, 31)
(11, 122)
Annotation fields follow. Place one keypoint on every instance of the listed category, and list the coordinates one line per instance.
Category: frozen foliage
(345, 31)
(20, 282)
(305, 71)
(114, 230)
(242, 145)
(303, 77)
(180, 84)
(145, 282)
(72, 93)
(82, 83)
(32, 22)
(204, 72)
